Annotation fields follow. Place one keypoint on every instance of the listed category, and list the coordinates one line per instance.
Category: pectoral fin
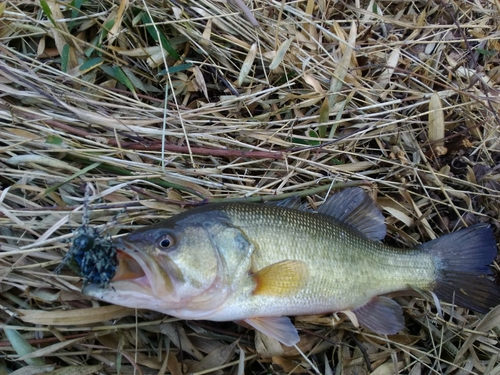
(280, 279)
(279, 328)
(381, 315)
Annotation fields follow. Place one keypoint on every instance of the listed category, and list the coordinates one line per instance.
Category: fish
(261, 263)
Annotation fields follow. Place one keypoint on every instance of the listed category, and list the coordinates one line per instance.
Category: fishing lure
(91, 255)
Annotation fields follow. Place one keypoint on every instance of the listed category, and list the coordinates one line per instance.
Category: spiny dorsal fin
(357, 210)
(293, 202)
(279, 328)
(280, 279)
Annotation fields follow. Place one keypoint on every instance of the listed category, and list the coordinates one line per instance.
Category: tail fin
(463, 270)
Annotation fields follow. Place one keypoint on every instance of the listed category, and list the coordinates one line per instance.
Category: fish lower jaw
(193, 309)
(189, 314)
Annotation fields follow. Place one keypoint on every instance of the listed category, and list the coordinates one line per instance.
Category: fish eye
(166, 242)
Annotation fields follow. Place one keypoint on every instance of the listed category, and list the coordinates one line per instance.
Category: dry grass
(401, 96)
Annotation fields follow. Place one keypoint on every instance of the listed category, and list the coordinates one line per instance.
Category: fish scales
(346, 270)
(259, 263)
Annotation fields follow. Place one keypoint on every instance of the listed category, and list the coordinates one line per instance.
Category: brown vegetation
(399, 96)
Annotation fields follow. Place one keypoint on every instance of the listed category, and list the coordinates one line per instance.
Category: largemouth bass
(260, 263)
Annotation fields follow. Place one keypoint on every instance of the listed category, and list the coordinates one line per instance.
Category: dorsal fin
(293, 202)
(354, 208)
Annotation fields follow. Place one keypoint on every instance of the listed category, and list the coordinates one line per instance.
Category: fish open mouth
(128, 268)
(135, 282)
(133, 273)
(140, 281)
(139, 271)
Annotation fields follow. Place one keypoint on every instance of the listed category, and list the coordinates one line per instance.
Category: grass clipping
(156, 106)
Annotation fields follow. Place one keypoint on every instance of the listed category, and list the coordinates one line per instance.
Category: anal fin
(381, 315)
(279, 328)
